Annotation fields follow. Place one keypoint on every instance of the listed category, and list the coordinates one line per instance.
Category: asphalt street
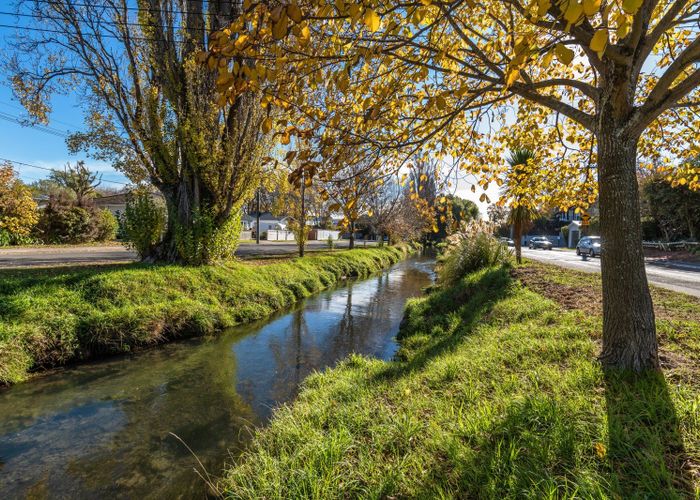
(679, 277)
(86, 255)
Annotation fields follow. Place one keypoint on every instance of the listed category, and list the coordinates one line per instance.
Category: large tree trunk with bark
(629, 331)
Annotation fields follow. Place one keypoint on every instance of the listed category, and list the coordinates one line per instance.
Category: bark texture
(629, 330)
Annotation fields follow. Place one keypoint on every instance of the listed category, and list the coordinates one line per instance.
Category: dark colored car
(507, 241)
(540, 242)
(589, 246)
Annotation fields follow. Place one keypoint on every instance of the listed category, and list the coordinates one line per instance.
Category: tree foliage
(151, 110)
(675, 210)
(79, 180)
(428, 72)
(599, 87)
(18, 211)
(143, 222)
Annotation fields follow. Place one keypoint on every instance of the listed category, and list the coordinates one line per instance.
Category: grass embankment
(50, 317)
(496, 393)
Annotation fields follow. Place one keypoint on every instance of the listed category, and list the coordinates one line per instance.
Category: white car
(589, 246)
(540, 242)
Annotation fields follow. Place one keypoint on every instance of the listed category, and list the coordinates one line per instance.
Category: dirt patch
(584, 297)
(587, 296)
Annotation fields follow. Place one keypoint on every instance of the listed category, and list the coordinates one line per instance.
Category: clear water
(103, 430)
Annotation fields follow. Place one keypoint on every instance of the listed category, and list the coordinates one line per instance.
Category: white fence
(324, 234)
(279, 235)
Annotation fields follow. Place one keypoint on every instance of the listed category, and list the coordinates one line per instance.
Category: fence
(279, 235)
(670, 245)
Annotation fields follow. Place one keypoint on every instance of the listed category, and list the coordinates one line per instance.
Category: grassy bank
(51, 317)
(496, 394)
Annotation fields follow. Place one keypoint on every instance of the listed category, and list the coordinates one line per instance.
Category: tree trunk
(166, 249)
(629, 330)
(351, 244)
(518, 238)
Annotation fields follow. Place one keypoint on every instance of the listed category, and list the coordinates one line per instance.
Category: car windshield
(595, 240)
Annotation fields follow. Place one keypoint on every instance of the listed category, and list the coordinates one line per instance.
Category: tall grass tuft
(468, 251)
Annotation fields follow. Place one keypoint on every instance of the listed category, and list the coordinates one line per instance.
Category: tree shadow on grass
(645, 452)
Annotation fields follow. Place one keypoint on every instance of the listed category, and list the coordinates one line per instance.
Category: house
(115, 203)
(268, 222)
(567, 216)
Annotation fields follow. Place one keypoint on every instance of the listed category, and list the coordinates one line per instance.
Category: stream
(105, 429)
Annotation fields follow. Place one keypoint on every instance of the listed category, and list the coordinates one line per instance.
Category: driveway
(108, 254)
(676, 276)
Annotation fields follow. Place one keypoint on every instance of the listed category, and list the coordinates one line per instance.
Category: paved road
(85, 255)
(678, 277)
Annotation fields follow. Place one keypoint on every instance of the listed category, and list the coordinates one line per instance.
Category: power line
(41, 17)
(41, 128)
(20, 108)
(14, 162)
(94, 35)
(103, 21)
(136, 9)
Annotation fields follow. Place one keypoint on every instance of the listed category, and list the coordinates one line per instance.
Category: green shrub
(107, 225)
(206, 241)
(469, 251)
(565, 232)
(143, 222)
(7, 239)
(63, 222)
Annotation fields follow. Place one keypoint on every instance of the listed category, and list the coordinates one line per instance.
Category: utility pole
(257, 218)
(302, 222)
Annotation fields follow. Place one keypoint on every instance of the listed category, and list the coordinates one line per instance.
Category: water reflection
(103, 429)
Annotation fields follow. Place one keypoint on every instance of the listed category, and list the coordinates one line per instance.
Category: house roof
(263, 216)
(112, 199)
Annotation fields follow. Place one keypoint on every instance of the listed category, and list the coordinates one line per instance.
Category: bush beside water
(473, 249)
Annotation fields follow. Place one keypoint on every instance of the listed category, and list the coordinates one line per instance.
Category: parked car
(540, 242)
(507, 241)
(589, 246)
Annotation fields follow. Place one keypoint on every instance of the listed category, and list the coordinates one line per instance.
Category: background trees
(517, 193)
(498, 216)
(150, 108)
(349, 189)
(70, 215)
(79, 180)
(18, 211)
(672, 212)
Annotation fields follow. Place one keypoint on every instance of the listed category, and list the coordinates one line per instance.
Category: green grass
(496, 393)
(51, 317)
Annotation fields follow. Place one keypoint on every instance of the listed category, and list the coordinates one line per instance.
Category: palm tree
(515, 190)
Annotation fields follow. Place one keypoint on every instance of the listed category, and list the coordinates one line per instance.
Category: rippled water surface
(104, 429)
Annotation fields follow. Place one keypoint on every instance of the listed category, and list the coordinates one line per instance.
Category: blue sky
(32, 144)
